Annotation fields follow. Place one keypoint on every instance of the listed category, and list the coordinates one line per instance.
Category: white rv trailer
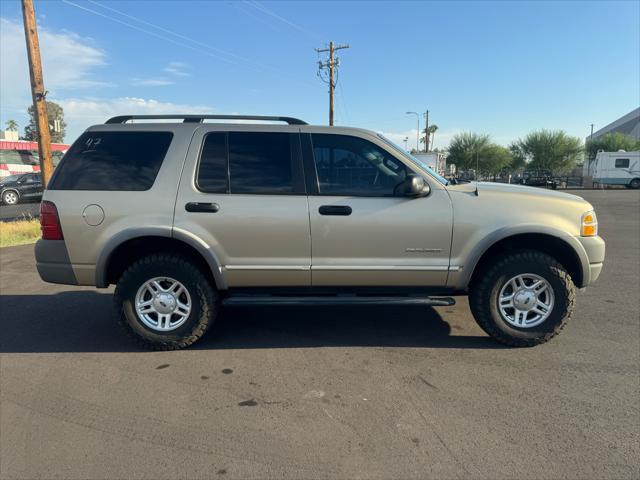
(616, 168)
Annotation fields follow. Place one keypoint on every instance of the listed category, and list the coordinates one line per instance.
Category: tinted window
(212, 172)
(622, 163)
(354, 166)
(260, 162)
(112, 161)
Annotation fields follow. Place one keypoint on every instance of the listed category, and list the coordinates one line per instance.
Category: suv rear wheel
(523, 299)
(165, 302)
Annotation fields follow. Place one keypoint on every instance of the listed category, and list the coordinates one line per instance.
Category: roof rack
(201, 118)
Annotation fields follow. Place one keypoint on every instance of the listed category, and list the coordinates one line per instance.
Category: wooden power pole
(332, 64)
(37, 90)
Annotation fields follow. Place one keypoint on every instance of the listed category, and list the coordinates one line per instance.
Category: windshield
(11, 178)
(418, 162)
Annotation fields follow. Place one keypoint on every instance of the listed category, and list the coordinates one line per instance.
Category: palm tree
(432, 130)
(428, 132)
(12, 125)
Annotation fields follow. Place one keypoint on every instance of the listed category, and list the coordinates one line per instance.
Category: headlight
(589, 224)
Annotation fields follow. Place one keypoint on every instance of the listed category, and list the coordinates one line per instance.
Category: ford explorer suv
(185, 215)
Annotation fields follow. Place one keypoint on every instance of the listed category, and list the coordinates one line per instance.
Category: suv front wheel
(165, 302)
(523, 299)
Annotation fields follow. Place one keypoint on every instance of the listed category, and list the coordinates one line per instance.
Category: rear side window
(260, 162)
(249, 163)
(212, 172)
(124, 161)
(622, 163)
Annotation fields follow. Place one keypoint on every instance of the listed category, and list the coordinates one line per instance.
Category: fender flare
(167, 232)
(479, 249)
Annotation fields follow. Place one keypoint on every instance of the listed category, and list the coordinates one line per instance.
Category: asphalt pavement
(323, 392)
(19, 211)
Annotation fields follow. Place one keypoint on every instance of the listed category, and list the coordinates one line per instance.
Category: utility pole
(38, 92)
(426, 131)
(332, 65)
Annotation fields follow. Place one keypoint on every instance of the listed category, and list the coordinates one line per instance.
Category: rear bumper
(52, 262)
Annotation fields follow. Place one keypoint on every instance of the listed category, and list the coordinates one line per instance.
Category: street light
(406, 139)
(418, 133)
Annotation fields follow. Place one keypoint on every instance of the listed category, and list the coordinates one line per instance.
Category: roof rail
(201, 118)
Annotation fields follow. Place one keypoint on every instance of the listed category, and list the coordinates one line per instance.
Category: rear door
(242, 193)
(364, 233)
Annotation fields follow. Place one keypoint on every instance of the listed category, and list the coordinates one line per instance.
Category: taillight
(50, 222)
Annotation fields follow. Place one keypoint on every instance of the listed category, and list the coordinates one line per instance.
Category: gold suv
(185, 215)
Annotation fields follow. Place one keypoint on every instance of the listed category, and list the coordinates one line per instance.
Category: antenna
(477, 170)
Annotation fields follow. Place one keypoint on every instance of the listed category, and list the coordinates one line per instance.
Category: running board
(241, 300)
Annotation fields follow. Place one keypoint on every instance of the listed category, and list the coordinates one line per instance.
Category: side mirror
(415, 186)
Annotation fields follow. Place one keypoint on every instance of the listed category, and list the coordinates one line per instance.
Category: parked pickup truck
(185, 216)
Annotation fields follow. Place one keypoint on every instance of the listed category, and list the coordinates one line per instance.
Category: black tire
(485, 289)
(635, 183)
(10, 197)
(204, 300)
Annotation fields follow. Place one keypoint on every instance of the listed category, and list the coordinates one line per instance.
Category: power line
(247, 63)
(153, 25)
(262, 8)
(331, 65)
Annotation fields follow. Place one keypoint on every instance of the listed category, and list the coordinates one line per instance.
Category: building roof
(629, 124)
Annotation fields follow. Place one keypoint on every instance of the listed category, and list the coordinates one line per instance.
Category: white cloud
(177, 68)
(151, 82)
(81, 113)
(68, 62)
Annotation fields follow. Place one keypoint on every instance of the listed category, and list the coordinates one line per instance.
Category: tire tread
(480, 291)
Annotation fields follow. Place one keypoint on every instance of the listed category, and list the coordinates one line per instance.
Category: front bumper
(594, 247)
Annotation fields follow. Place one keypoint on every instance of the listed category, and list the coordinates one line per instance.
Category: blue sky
(502, 68)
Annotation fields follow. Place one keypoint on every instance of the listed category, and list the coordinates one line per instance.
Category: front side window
(354, 166)
(112, 161)
(622, 163)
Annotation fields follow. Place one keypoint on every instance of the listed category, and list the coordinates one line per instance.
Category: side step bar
(242, 300)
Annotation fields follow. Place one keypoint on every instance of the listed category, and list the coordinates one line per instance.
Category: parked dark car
(20, 188)
(538, 178)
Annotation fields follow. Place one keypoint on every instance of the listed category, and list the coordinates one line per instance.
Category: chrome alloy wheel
(526, 300)
(163, 304)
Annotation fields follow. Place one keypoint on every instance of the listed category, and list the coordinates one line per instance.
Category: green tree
(519, 158)
(57, 125)
(612, 142)
(469, 151)
(551, 149)
(463, 148)
(493, 159)
(12, 125)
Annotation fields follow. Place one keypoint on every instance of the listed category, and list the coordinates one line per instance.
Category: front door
(364, 232)
(242, 194)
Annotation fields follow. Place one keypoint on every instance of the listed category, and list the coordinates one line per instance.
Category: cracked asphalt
(323, 392)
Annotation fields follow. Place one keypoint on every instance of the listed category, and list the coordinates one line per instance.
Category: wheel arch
(10, 189)
(122, 250)
(566, 250)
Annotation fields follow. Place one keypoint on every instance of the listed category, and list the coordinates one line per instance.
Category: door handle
(202, 207)
(340, 210)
